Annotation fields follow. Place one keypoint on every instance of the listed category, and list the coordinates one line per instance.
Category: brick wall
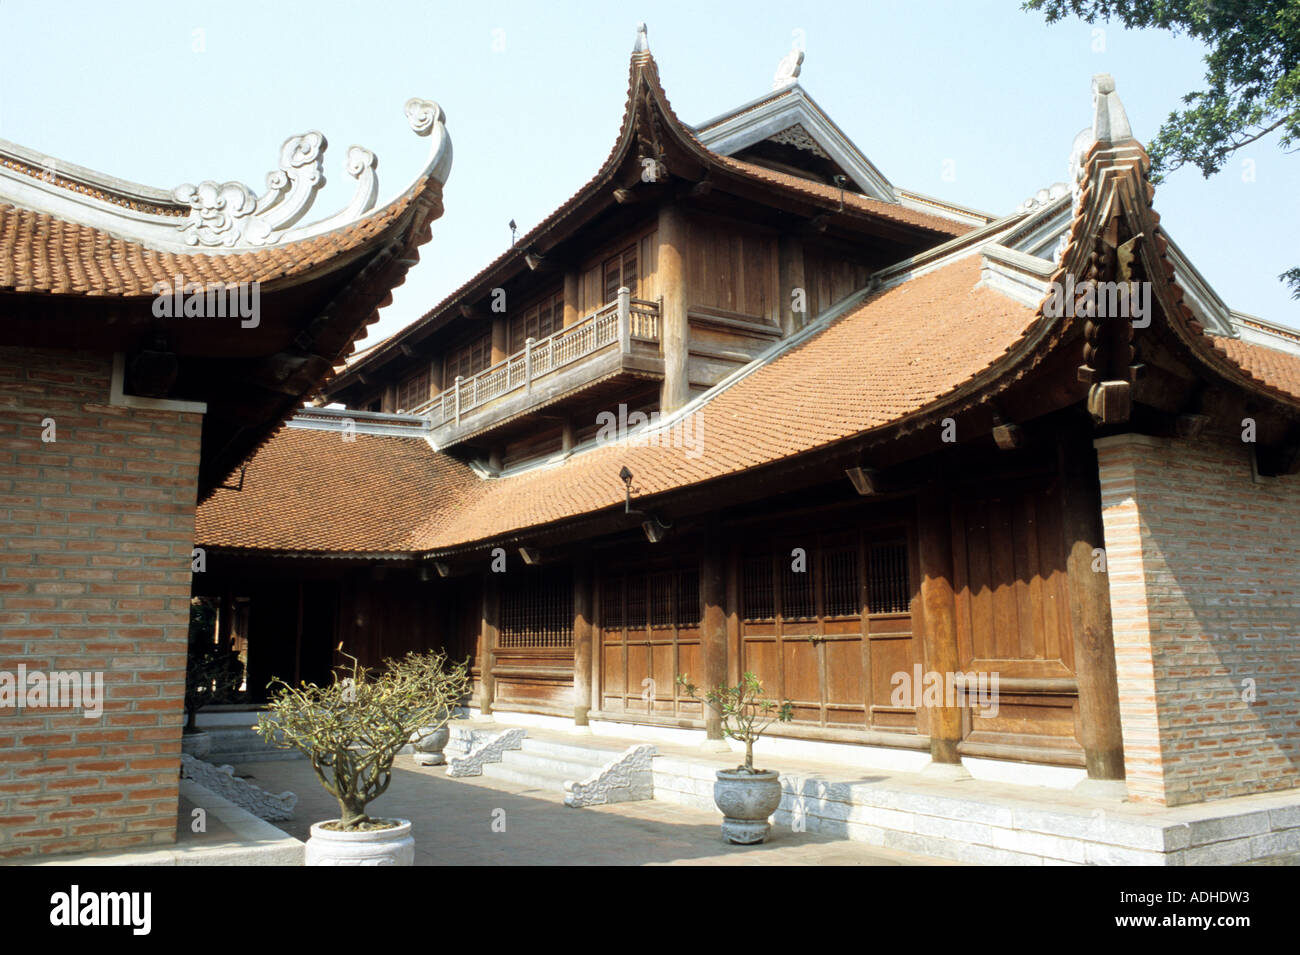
(96, 532)
(1205, 594)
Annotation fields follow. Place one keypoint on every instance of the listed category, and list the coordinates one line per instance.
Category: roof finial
(642, 39)
(787, 71)
(1109, 121)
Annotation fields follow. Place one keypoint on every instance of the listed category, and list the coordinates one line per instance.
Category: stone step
(565, 769)
(549, 781)
(597, 754)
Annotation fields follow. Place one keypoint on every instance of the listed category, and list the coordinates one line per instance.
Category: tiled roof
(1274, 369)
(892, 355)
(41, 253)
(311, 491)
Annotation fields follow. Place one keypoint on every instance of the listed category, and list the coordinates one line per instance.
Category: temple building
(740, 404)
(743, 404)
(150, 341)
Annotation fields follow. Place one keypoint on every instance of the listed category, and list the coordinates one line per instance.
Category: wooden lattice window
(798, 598)
(413, 391)
(537, 321)
(889, 589)
(660, 600)
(537, 609)
(468, 359)
(841, 596)
(620, 270)
(757, 598)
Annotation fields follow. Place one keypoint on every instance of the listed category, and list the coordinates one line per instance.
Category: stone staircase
(587, 770)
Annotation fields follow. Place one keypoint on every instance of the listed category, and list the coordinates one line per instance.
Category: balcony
(620, 339)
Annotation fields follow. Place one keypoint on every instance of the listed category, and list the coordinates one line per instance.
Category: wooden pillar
(435, 378)
(566, 434)
(674, 330)
(572, 308)
(500, 338)
(582, 641)
(713, 629)
(487, 640)
(1090, 621)
(390, 399)
(791, 268)
(733, 616)
(939, 607)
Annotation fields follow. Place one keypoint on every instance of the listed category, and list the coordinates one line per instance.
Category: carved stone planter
(429, 746)
(198, 745)
(393, 846)
(747, 800)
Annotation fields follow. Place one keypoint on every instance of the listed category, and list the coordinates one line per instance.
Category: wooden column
(791, 268)
(1090, 622)
(487, 639)
(713, 626)
(733, 615)
(500, 338)
(934, 534)
(582, 637)
(572, 308)
(674, 329)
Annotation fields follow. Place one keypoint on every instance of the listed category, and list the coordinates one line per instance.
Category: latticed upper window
(757, 598)
(660, 599)
(798, 600)
(840, 594)
(620, 270)
(537, 609)
(413, 391)
(537, 322)
(889, 589)
(469, 359)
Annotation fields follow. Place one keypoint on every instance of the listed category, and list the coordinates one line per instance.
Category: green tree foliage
(1252, 76)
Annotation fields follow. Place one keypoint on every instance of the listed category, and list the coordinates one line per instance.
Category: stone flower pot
(198, 745)
(747, 800)
(393, 846)
(429, 746)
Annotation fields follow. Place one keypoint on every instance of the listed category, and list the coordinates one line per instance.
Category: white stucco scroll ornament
(228, 215)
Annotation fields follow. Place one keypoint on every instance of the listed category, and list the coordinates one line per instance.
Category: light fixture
(531, 555)
(655, 529)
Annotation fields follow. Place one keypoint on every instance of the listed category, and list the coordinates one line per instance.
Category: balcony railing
(617, 323)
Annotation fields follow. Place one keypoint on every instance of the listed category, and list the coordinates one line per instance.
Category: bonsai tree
(745, 712)
(353, 729)
(212, 672)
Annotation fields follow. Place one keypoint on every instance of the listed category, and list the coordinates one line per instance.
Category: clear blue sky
(168, 92)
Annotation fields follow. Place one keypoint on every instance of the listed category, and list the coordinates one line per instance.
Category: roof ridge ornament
(229, 214)
(1109, 125)
(642, 39)
(788, 70)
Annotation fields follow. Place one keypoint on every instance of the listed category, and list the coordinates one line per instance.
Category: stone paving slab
(458, 822)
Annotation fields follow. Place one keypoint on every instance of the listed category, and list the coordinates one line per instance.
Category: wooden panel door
(826, 622)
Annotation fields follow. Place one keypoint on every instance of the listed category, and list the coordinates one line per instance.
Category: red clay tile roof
(1277, 370)
(892, 355)
(41, 253)
(852, 200)
(311, 491)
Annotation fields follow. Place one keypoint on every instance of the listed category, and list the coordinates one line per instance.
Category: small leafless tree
(353, 729)
(745, 712)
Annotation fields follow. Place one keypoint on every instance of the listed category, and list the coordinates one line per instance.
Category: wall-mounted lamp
(531, 555)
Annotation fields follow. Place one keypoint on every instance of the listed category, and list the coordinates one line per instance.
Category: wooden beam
(487, 641)
(713, 629)
(583, 631)
(673, 324)
(1090, 617)
(939, 613)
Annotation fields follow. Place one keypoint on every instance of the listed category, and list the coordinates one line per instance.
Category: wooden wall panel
(732, 268)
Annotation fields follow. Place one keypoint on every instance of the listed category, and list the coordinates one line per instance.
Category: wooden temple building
(743, 404)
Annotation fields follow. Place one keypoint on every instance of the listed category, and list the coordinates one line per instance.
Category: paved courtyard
(482, 821)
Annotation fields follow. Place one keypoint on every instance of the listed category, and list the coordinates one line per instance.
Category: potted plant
(746, 796)
(352, 730)
(212, 675)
